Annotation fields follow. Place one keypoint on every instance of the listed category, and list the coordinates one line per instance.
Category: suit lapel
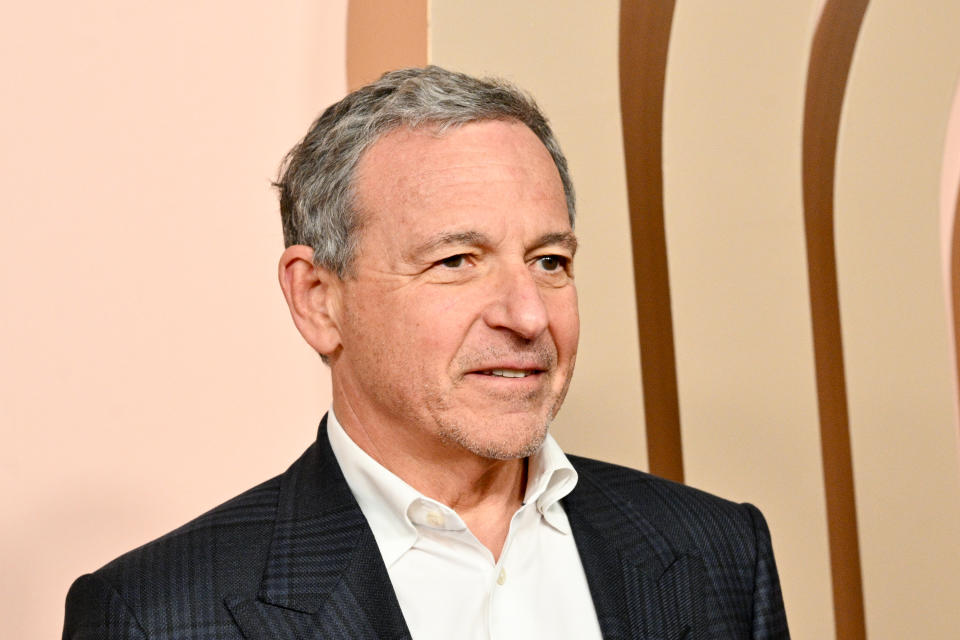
(324, 577)
(643, 588)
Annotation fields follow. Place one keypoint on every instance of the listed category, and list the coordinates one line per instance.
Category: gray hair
(315, 184)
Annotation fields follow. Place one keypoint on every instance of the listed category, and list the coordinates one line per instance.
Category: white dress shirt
(447, 582)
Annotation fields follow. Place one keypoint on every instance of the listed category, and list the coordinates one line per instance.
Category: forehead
(419, 176)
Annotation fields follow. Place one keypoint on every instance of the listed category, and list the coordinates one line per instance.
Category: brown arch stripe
(644, 41)
(955, 282)
(384, 35)
(830, 58)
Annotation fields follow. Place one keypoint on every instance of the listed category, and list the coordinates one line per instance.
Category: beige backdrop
(734, 218)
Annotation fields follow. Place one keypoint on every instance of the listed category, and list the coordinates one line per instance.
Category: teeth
(509, 373)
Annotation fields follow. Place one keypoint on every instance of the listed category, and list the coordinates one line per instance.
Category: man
(428, 219)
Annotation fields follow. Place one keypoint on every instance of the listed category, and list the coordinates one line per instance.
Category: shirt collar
(383, 497)
(394, 509)
(550, 477)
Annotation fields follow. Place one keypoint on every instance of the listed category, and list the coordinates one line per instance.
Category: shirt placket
(500, 584)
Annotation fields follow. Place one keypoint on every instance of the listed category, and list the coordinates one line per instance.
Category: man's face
(459, 322)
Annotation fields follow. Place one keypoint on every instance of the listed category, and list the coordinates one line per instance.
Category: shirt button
(502, 577)
(435, 519)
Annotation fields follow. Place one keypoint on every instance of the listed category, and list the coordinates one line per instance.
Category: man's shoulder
(177, 585)
(189, 569)
(626, 481)
(667, 529)
(245, 518)
(678, 511)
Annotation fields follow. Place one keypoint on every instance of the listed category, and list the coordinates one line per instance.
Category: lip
(529, 373)
(536, 367)
(532, 380)
(533, 372)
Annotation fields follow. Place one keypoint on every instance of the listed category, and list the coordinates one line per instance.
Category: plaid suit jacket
(294, 558)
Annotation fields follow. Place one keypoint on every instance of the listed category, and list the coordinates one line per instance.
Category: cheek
(373, 329)
(565, 321)
(426, 325)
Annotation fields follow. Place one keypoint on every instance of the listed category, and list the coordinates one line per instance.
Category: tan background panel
(734, 218)
(150, 369)
(896, 340)
(565, 53)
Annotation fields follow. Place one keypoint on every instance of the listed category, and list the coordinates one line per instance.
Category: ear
(313, 296)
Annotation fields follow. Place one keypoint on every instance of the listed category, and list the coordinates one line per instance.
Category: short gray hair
(316, 177)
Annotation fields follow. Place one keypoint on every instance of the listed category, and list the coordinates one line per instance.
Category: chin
(517, 441)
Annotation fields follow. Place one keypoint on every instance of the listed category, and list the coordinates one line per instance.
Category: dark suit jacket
(294, 558)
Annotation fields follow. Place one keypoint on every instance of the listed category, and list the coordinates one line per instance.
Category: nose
(517, 304)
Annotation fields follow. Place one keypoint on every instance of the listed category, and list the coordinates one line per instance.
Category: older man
(428, 219)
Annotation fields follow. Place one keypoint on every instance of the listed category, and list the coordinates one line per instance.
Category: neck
(484, 492)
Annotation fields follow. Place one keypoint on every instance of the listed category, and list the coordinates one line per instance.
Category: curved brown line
(830, 58)
(644, 40)
(955, 284)
(384, 35)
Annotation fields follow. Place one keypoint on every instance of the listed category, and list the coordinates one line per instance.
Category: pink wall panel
(150, 369)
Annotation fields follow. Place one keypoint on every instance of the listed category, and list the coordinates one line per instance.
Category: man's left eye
(552, 263)
(454, 262)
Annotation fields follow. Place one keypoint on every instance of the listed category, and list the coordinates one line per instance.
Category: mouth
(509, 373)
(517, 382)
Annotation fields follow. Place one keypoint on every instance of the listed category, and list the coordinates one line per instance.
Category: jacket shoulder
(638, 485)
(214, 534)
(174, 586)
(688, 517)
(645, 516)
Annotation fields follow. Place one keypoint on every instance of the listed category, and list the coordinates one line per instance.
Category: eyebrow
(474, 238)
(565, 239)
